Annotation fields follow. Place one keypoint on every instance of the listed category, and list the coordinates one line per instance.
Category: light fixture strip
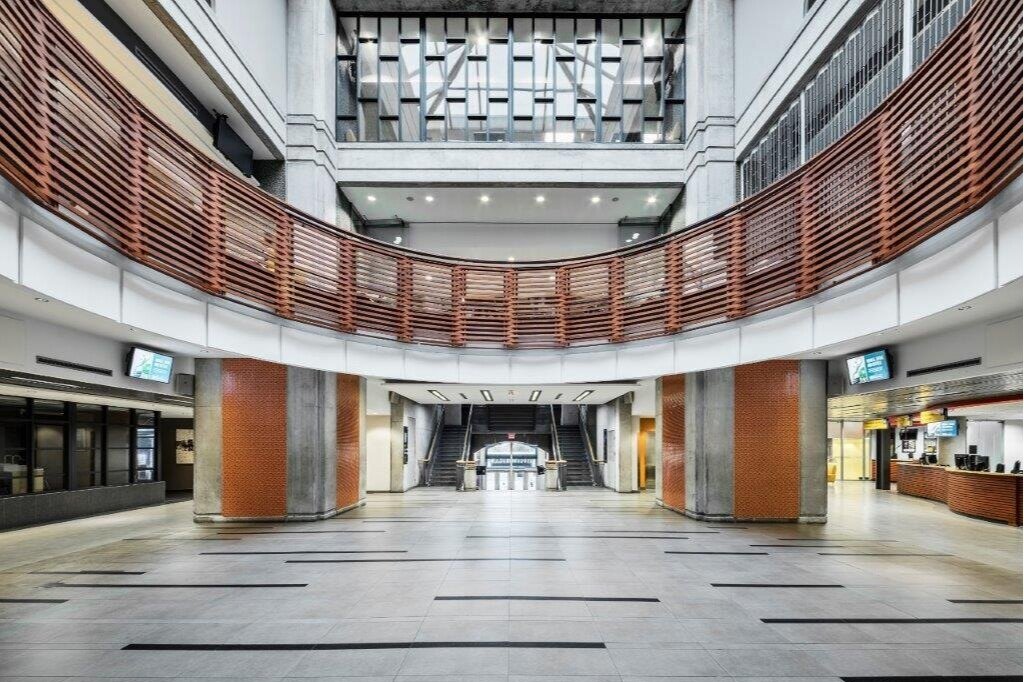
(582, 396)
(438, 395)
(487, 395)
(534, 396)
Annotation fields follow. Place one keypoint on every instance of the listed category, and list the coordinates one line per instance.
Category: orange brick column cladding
(745, 443)
(276, 442)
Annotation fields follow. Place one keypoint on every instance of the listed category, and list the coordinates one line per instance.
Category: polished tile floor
(530, 586)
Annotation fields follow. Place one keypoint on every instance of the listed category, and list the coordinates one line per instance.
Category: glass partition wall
(510, 79)
(48, 445)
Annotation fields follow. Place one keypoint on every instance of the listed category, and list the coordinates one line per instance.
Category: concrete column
(813, 440)
(709, 426)
(710, 109)
(312, 444)
(656, 445)
(397, 443)
(627, 444)
(206, 472)
(311, 170)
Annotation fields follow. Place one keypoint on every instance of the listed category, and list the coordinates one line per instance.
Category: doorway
(509, 465)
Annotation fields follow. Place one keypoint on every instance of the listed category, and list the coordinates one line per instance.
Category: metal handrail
(466, 454)
(104, 162)
(427, 463)
(557, 452)
(592, 461)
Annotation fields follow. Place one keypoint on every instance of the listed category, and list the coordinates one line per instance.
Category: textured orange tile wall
(766, 440)
(254, 438)
(348, 440)
(673, 447)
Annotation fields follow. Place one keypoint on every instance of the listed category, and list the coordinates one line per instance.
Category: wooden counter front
(893, 470)
(922, 480)
(986, 495)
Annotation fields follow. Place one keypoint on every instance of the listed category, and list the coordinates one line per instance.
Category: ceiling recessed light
(629, 241)
(398, 240)
(539, 198)
(371, 198)
(464, 396)
(438, 395)
(429, 199)
(409, 199)
(651, 199)
(961, 308)
(636, 235)
(511, 259)
(534, 396)
(595, 200)
(487, 395)
(582, 395)
(42, 300)
(484, 198)
(615, 198)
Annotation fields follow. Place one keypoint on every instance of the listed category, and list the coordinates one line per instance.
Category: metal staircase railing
(592, 461)
(427, 463)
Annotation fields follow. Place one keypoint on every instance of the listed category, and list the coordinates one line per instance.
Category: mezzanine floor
(584, 585)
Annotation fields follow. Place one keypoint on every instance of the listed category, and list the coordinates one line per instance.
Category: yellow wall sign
(930, 416)
(900, 422)
(875, 424)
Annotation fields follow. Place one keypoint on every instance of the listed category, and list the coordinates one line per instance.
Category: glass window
(14, 447)
(48, 465)
(88, 455)
(145, 451)
(499, 78)
(118, 451)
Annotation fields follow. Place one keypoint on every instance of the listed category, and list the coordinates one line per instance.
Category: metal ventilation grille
(54, 362)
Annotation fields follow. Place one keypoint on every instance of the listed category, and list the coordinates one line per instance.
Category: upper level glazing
(510, 79)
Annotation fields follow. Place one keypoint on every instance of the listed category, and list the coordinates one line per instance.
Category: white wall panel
(535, 368)
(367, 359)
(12, 341)
(157, 309)
(954, 275)
(317, 351)
(9, 249)
(646, 361)
(482, 369)
(777, 337)
(721, 349)
(1011, 244)
(63, 271)
(869, 309)
(426, 366)
(596, 366)
(237, 333)
(378, 453)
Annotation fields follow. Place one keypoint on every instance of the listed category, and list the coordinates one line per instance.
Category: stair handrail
(427, 463)
(556, 448)
(595, 471)
(460, 481)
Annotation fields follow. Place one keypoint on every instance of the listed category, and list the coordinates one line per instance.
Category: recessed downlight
(534, 395)
(595, 200)
(651, 199)
(42, 300)
(484, 199)
(487, 395)
(438, 395)
(539, 198)
(371, 198)
(582, 396)
(511, 259)
(398, 240)
(429, 199)
(636, 235)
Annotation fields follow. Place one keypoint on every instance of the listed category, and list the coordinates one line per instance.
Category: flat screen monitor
(149, 365)
(960, 461)
(944, 429)
(932, 459)
(868, 367)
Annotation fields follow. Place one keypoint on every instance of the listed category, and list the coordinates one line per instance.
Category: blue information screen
(873, 366)
(943, 429)
(146, 364)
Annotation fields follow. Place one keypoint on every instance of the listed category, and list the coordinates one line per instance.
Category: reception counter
(982, 494)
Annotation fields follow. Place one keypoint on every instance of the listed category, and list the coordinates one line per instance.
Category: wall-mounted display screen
(149, 365)
(873, 366)
(943, 429)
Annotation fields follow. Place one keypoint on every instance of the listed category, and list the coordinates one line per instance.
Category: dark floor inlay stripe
(986, 601)
(378, 561)
(174, 585)
(88, 572)
(654, 530)
(730, 553)
(340, 646)
(16, 600)
(314, 551)
(588, 537)
(836, 540)
(900, 621)
(519, 597)
(935, 678)
(770, 585)
(295, 532)
(877, 554)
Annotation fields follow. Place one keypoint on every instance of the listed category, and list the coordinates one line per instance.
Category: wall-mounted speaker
(185, 384)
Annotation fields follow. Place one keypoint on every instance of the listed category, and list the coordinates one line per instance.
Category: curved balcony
(940, 147)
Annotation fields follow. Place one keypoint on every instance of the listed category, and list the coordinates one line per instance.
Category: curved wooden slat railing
(73, 140)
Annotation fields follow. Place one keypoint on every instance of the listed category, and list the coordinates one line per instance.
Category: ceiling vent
(53, 362)
(972, 362)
